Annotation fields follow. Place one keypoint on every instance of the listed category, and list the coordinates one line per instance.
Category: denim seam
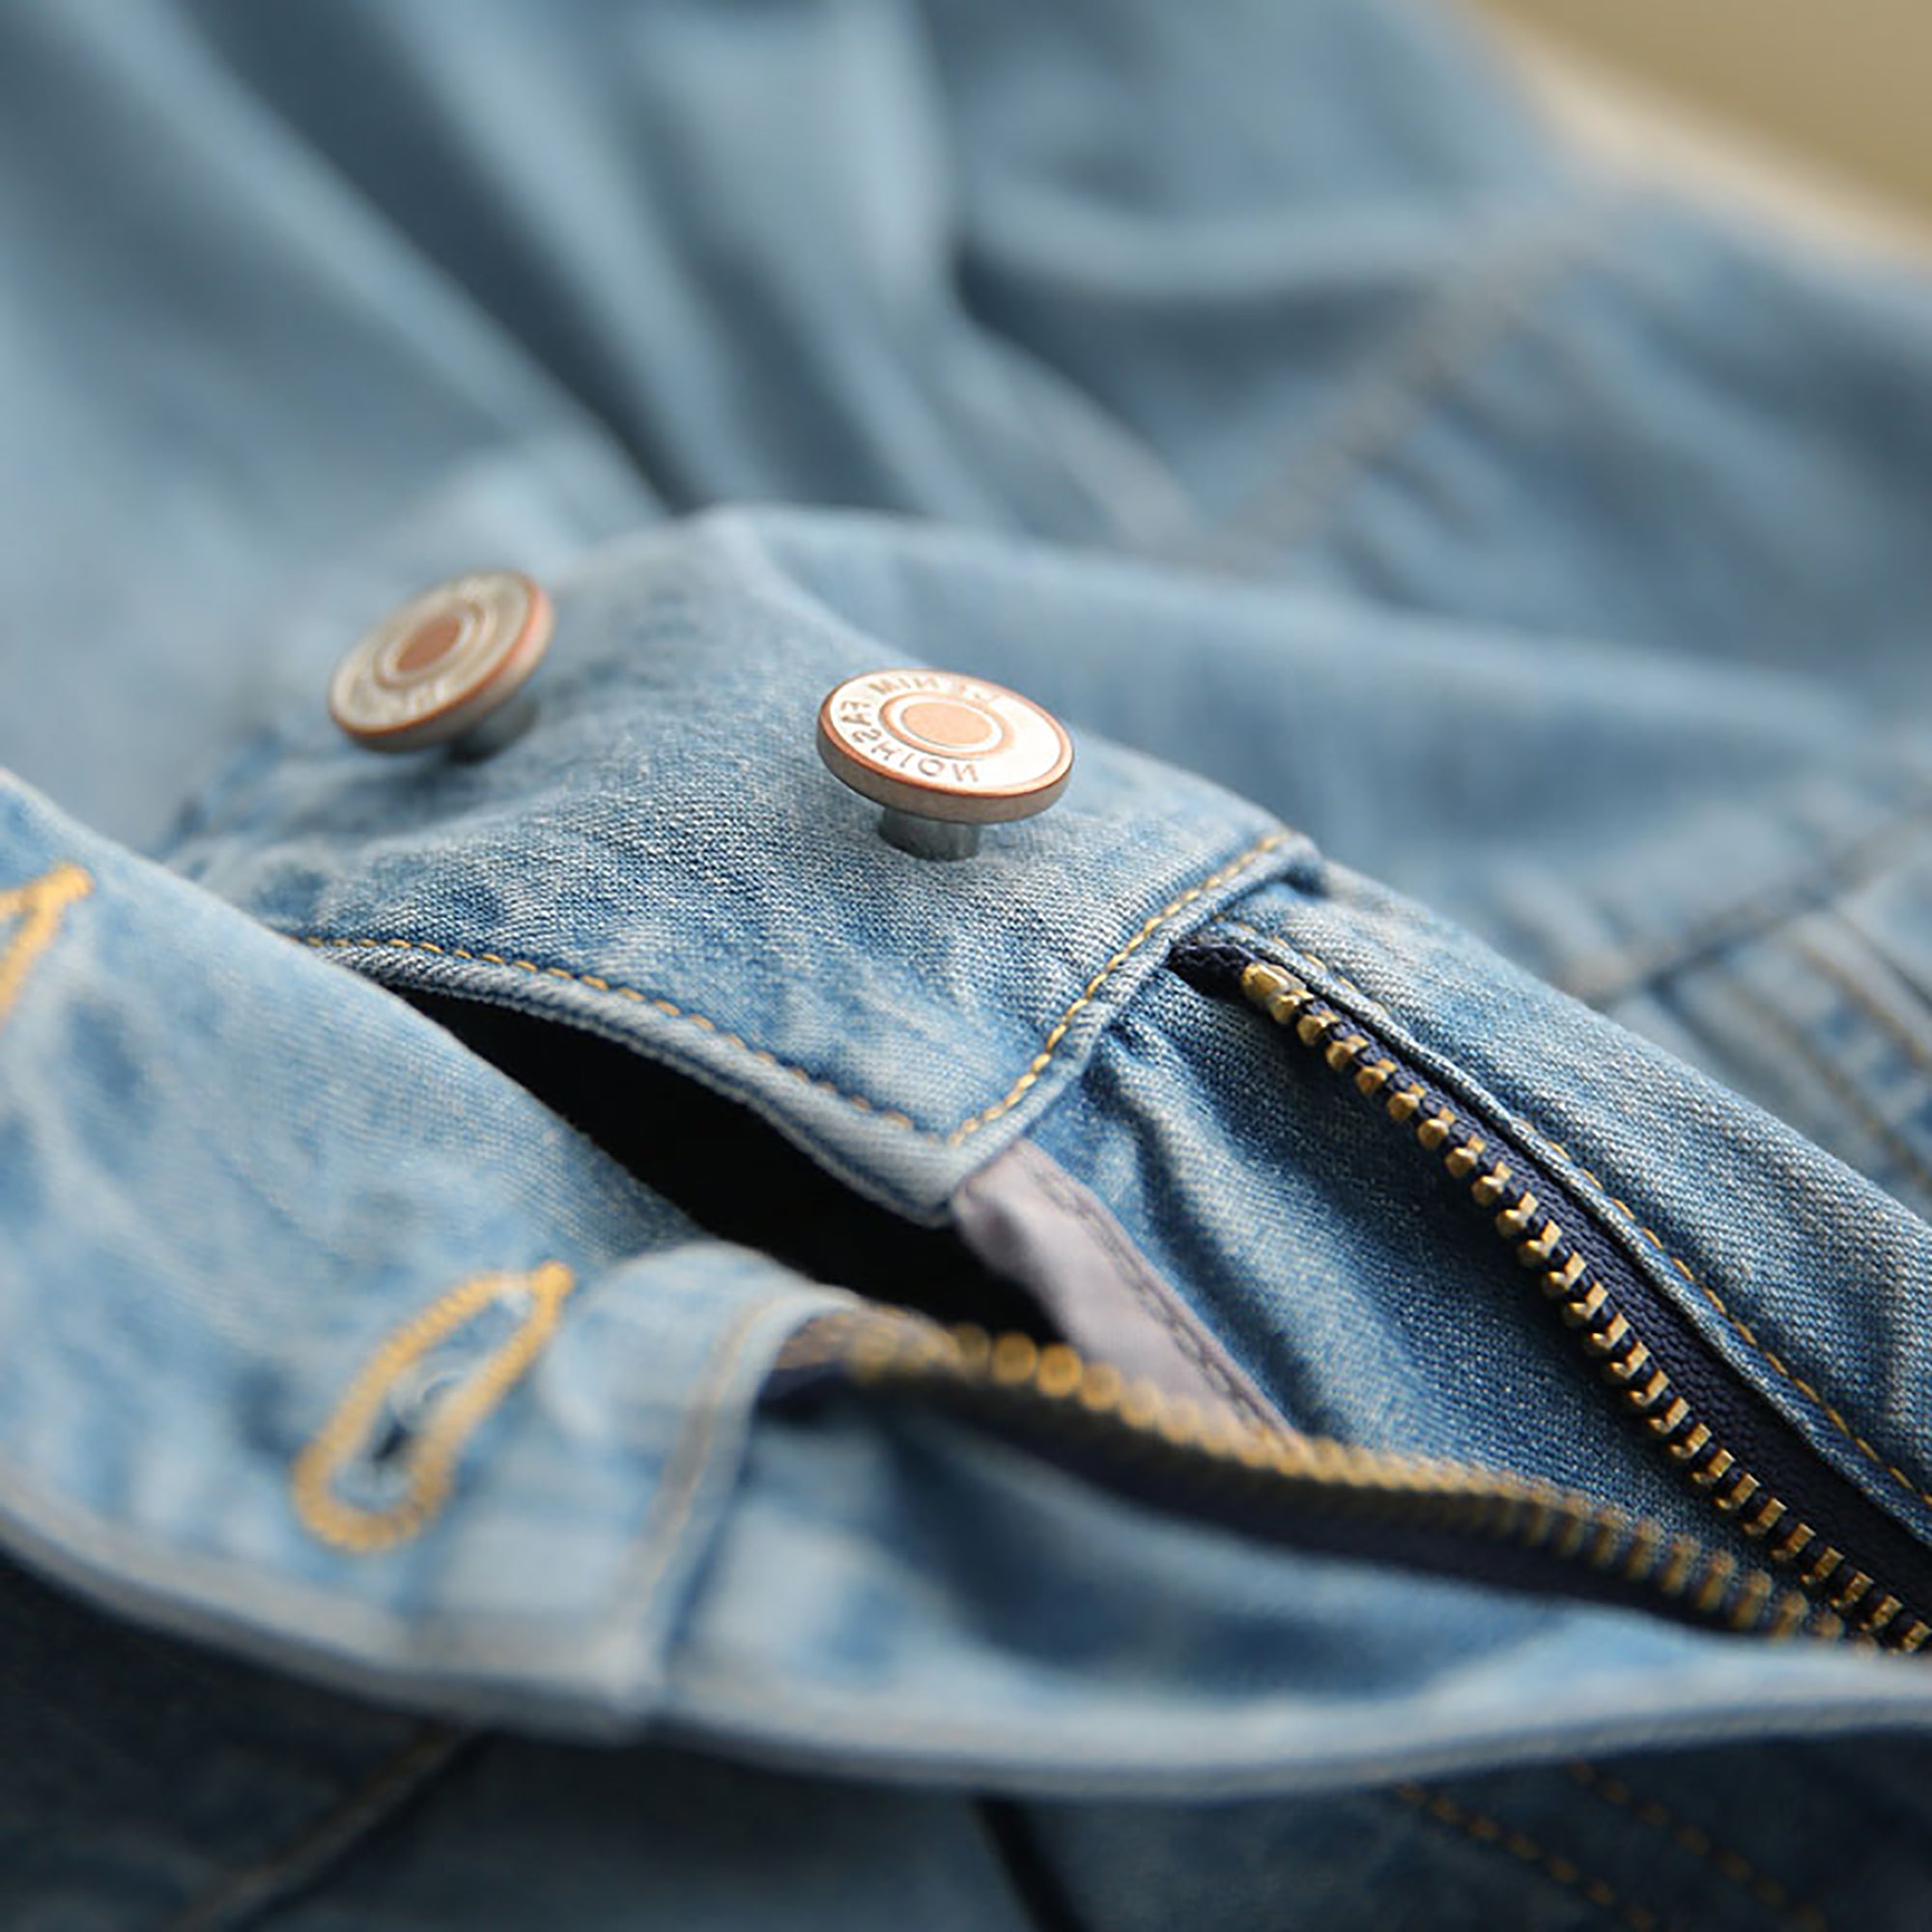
(1632, 1226)
(1723, 1859)
(328, 1837)
(39, 905)
(1823, 964)
(670, 1009)
(1057, 1032)
(113, 1560)
(674, 1495)
(664, 1522)
(1049, 1048)
(845, 1724)
(1606, 974)
(1464, 323)
(1843, 1089)
(1496, 1837)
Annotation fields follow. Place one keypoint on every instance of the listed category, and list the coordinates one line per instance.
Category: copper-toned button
(943, 754)
(445, 666)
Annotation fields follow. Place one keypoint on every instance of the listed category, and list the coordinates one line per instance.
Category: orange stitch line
(1848, 1094)
(665, 1006)
(1723, 1859)
(39, 905)
(430, 1462)
(238, 1895)
(1051, 1046)
(1520, 1846)
(968, 1126)
(1368, 1000)
(1910, 1483)
(1847, 983)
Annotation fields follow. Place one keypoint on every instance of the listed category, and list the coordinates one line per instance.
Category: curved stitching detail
(1734, 1321)
(431, 1460)
(1607, 974)
(1057, 1032)
(1846, 1092)
(1632, 1226)
(1443, 1810)
(1722, 1860)
(669, 1007)
(238, 1896)
(1465, 321)
(892, 1116)
(40, 904)
(1889, 1024)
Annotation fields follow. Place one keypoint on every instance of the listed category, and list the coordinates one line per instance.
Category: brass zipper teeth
(877, 1346)
(1588, 1307)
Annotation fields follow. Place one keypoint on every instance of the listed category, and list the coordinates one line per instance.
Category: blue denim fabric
(1469, 590)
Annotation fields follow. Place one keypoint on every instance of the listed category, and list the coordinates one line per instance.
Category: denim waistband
(663, 860)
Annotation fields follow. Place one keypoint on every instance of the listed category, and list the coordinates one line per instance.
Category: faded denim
(1492, 600)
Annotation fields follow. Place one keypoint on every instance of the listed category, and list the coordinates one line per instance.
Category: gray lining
(1025, 1216)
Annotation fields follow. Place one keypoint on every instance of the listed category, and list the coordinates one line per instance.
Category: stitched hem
(1441, 1809)
(1030, 1075)
(1463, 323)
(1727, 1862)
(1609, 976)
(328, 1840)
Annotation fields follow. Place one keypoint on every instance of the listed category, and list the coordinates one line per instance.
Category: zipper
(1724, 1438)
(1209, 1462)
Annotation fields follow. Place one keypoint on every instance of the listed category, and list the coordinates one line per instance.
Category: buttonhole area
(378, 1477)
(410, 1402)
(737, 1178)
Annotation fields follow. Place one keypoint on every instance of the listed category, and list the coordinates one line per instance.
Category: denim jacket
(1333, 1331)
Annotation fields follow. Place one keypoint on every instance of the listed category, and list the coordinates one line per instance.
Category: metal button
(444, 666)
(943, 754)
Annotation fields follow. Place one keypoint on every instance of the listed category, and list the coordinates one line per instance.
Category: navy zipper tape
(1736, 1414)
(1418, 1530)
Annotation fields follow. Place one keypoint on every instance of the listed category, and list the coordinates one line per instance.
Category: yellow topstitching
(1049, 1047)
(429, 1462)
(1693, 1838)
(1743, 1329)
(39, 906)
(1519, 1845)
